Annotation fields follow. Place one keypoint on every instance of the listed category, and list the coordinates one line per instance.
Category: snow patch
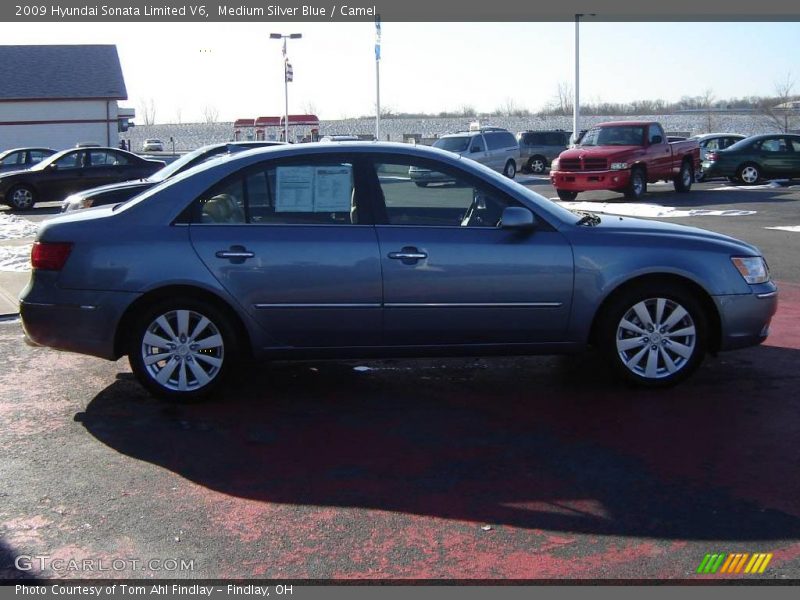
(792, 228)
(13, 227)
(15, 258)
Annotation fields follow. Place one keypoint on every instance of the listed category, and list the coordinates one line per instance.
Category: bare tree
(210, 114)
(467, 110)
(310, 108)
(708, 101)
(563, 101)
(148, 107)
(178, 115)
(778, 110)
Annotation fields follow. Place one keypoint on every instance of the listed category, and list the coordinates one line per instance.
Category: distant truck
(624, 156)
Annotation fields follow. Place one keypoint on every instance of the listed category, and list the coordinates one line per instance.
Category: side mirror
(518, 218)
(657, 139)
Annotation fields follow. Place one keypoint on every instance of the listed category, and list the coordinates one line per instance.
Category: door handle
(236, 254)
(408, 255)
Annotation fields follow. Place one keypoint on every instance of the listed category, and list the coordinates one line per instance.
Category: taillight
(50, 256)
(712, 156)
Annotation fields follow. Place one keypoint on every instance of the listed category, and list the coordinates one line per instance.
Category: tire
(683, 182)
(196, 345)
(21, 197)
(510, 169)
(566, 195)
(654, 335)
(537, 164)
(421, 183)
(637, 187)
(749, 174)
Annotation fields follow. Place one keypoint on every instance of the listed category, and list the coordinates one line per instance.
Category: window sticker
(333, 189)
(294, 189)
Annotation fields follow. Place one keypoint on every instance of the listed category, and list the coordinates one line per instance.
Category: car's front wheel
(654, 335)
(21, 197)
(566, 195)
(181, 349)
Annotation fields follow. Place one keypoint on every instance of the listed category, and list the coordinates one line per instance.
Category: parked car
(120, 192)
(494, 147)
(153, 145)
(710, 142)
(19, 159)
(623, 156)
(320, 250)
(71, 170)
(755, 158)
(538, 148)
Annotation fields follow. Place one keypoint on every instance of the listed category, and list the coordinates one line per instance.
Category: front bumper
(585, 181)
(745, 318)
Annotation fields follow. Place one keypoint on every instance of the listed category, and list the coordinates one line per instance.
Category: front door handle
(409, 255)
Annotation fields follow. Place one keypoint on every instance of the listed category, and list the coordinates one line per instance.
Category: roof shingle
(61, 71)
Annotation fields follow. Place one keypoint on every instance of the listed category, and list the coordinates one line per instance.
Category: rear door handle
(236, 254)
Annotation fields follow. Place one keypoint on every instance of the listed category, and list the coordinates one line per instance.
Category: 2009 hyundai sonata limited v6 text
(331, 250)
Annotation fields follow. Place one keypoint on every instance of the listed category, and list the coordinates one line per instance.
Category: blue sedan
(332, 250)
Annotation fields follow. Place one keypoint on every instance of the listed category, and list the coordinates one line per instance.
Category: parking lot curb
(11, 285)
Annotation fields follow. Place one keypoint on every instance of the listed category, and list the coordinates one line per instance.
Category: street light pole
(576, 108)
(280, 36)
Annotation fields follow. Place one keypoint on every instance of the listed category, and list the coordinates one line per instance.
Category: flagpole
(286, 72)
(377, 78)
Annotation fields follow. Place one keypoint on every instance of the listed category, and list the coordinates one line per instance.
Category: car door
(104, 167)
(659, 154)
(289, 241)
(452, 276)
(775, 156)
(62, 177)
(794, 145)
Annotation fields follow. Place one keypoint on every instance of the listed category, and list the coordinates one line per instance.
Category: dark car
(120, 192)
(72, 170)
(755, 158)
(19, 159)
(331, 250)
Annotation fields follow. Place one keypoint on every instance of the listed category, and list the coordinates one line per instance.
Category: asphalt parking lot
(490, 468)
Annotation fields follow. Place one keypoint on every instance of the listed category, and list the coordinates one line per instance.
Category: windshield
(619, 135)
(186, 161)
(453, 144)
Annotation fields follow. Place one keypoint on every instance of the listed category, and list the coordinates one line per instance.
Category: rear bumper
(76, 321)
(584, 181)
(745, 318)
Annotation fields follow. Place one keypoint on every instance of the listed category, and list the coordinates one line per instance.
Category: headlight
(619, 166)
(752, 268)
(554, 165)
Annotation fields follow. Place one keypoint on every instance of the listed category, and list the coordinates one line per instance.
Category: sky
(237, 71)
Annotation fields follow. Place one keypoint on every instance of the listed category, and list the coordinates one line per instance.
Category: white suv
(494, 147)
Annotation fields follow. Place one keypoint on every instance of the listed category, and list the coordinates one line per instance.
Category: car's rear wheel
(181, 349)
(683, 182)
(537, 164)
(510, 169)
(654, 335)
(21, 197)
(749, 174)
(566, 195)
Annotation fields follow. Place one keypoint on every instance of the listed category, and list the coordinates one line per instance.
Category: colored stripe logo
(741, 563)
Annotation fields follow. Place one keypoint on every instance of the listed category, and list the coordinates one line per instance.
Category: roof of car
(708, 136)
(631, 123)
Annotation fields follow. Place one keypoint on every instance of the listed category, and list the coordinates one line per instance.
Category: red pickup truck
(623, 156)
